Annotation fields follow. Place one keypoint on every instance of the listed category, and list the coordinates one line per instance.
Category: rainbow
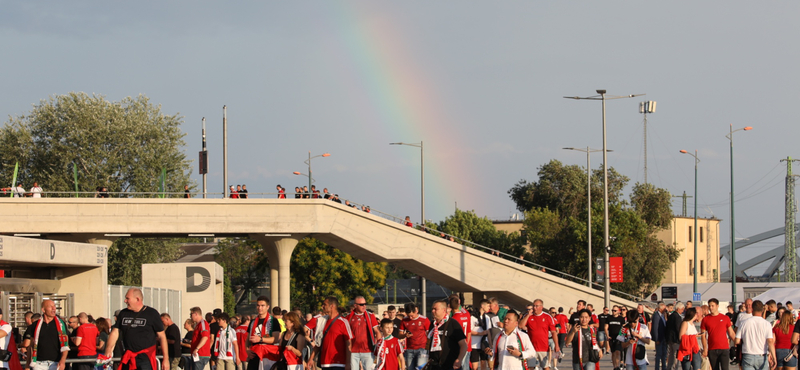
(402, 105)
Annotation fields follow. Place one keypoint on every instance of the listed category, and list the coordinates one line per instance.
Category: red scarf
(580, 342)
(223, 335)
(625, 332)
(11, 346)
(129, 357)
(263, 350)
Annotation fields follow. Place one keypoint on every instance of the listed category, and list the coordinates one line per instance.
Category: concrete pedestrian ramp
(360, 234)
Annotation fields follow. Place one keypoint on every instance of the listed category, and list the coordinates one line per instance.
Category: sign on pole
(615, 269)
(697, 297)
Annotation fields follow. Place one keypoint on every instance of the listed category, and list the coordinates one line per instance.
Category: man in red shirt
(464, 319)
(85, 339)
(563, 322)
(201, 343)
(538, 325)
(242, 339)
(719, 334)
(334, 350)
(365, 329)
(414, 328)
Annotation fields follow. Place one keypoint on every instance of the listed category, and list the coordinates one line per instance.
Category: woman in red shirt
(782, 332)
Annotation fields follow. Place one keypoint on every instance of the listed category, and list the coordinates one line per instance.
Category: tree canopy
(556, 216)
(121, 145)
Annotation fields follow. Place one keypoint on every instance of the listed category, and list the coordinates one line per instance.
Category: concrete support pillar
(279, 251)
(476, 299)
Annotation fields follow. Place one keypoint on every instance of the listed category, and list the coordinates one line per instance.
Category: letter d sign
(191, 271)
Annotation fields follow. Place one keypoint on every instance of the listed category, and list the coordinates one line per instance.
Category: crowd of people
(488, 336)
(19, 191)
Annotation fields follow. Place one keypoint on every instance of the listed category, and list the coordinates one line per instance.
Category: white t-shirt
(754, 333)
(19, 192)
(476, 339)
(501, 354)
(644, 333)
(37, 191)
(4, 342)
(743, 316)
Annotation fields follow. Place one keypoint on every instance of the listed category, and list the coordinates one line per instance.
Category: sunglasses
(552, 313)
(360, 304)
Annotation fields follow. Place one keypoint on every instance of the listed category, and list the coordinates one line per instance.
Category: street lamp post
(694, 267)
(733, 225)
(588, 208)
(308, 162)
(423, 281)
(602, 97)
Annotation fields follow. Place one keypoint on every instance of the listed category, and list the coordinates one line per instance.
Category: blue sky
(480, 83)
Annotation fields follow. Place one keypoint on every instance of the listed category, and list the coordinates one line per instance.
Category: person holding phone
(512, 347)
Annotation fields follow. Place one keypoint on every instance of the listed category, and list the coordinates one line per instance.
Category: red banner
(615, 270)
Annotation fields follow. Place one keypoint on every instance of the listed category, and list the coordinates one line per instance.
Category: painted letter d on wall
(191, 271)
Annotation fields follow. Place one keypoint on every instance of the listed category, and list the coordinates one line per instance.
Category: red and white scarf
(223, 337)
(381, 352)
(62, 337)
(627, 332)
(580, 342)
(497, 350)
(436, 341)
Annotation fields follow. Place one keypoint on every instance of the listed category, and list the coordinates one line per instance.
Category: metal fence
(16, 304)
(163, 300)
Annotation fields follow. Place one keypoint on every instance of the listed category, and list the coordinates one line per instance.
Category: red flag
(13, 363)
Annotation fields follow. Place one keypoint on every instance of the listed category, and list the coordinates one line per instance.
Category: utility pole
(790, 252)
(684, 196)
(204, 161)
(225, 151)
(644, 108)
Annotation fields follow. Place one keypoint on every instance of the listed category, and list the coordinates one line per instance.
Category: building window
(690, 234)
(691, 268)
(702, 267)
(701, 236)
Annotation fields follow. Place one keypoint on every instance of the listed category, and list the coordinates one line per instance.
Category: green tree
(319, 270)
(555, 209)
(121, 145)
(126, 256)
(466, 225)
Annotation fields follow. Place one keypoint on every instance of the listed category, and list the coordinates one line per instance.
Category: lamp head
(601, 91)
(748, 128)
(684, 152)
(297, 173)
(326, 155)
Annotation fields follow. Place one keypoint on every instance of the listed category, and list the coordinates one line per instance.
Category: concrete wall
(201, 284)
(80, 268)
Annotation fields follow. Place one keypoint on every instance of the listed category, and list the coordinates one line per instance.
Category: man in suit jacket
(659, 323)
(672, 337)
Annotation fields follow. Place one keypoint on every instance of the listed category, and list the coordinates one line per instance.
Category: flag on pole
(14, 179)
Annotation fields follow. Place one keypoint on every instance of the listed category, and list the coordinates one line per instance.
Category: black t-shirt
(49, 347)
(396, 330)
(139, 330)
(603, 319)
(586, 335)
(173, 333)
(243, 194)
(614, 326)
(797, 327)
(575, 319)
(187, 339)
(213, 329)
(451, 333)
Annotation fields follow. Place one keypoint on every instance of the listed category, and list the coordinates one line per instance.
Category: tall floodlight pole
(694, 268)
(733, 224)
(225, 150)
(646, 107)
(423, 282)
(588, 208)
(602, 97)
